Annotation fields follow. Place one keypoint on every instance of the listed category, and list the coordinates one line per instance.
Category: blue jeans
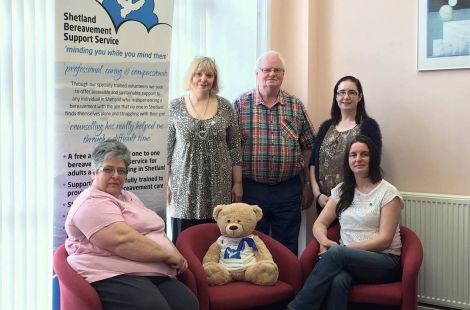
(337, 270)
(281, 209)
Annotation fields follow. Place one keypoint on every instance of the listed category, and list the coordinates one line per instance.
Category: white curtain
(233, 32)
(26, 145)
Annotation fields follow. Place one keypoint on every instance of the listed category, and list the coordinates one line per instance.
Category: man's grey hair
(270, 54)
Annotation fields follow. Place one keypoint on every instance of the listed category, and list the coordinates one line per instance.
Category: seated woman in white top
(368, 209)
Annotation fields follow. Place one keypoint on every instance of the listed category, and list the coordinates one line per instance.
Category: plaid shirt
(273, 139)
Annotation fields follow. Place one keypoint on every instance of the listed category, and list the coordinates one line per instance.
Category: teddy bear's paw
(216, 274)
(262, 273)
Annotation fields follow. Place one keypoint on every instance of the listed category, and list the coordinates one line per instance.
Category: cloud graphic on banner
(140, 11)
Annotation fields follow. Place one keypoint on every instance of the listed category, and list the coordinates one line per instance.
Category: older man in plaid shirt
(277, 139)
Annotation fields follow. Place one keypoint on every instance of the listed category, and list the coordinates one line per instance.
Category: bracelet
(318, 197)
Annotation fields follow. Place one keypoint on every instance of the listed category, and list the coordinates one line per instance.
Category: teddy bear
(239, 255)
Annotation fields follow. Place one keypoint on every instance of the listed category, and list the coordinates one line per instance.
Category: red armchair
(75, 292)
(402, 293)
(193, 244)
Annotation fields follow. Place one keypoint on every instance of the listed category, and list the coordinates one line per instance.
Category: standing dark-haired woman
(348, 119)
(368, 209)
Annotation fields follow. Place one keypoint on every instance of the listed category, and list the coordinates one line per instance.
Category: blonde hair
(206, 65)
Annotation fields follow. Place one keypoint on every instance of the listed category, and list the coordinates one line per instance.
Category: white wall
(424, 116)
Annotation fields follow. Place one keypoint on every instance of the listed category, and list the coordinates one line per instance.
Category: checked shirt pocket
(289, 132)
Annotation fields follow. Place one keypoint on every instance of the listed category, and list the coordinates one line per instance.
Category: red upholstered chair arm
(197, 271)
(75, 291)
(411, 259)
(189, 280)
(309, 256)
(334, 232)
(194, 265)
(193, 244)
(288, 264)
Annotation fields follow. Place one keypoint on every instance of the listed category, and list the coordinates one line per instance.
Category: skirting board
(431, 307)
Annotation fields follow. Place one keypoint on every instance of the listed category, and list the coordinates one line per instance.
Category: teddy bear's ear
(258, 212)
(216, 211)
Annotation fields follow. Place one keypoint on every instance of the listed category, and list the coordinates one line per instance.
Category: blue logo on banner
(140, 11)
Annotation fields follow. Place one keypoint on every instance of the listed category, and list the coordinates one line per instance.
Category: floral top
(201, 154)
(332, 157)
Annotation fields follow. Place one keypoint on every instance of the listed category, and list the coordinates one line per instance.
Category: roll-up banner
(112, 69)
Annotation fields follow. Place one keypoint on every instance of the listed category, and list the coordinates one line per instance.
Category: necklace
(203, 131)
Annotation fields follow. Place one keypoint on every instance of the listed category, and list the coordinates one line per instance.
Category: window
(233, 32)
(26, 148)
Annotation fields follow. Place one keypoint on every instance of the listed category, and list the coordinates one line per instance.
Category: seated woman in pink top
(120, 246)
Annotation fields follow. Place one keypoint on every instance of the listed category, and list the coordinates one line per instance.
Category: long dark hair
(361, 105)
(349, 181)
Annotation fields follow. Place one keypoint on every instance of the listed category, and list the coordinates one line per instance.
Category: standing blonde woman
(204, 156)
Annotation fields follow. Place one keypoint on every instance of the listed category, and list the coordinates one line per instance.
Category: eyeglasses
(350, 93)
(111, 170)
(269, 70)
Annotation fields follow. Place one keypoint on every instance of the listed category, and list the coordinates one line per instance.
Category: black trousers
(281, 209)
(126, 292)
(178, 225)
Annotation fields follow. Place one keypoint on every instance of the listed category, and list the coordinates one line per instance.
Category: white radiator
(443, 225)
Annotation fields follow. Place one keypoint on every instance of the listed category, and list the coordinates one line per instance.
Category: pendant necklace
(203, 131)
